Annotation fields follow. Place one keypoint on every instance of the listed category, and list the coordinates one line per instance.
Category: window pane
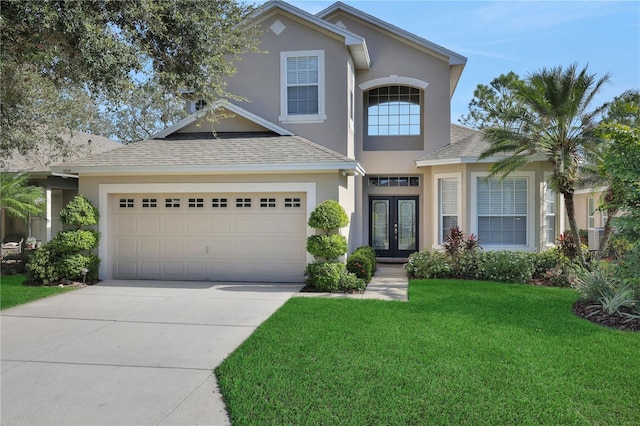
(395, 110)
(502, 211)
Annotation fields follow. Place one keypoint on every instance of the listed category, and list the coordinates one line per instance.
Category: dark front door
(393, 230)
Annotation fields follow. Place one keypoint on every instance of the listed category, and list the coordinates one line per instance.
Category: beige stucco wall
(258, 79)
(581, 203)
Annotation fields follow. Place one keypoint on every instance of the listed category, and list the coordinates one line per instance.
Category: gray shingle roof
(465, 144)
(202, 151)
(44, 156)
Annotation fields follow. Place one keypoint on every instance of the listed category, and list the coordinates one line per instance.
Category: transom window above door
(393, 111)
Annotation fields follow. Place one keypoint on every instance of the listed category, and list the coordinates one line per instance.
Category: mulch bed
(593, 314)
(62, 283)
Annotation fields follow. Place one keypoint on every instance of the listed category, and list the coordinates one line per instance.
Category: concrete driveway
(127, 352)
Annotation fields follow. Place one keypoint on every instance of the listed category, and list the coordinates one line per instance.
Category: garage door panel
(243, 246)
(242, 225)
(173, 268)
(173, 247)
(127, 268)
(150, 225)
(197, 247)
(126, 225)
(197, 270)
(173, 225)
(150, 268)
(197, 225)
(127, 246)
(220, 225)
(150, 247)
(221, 247)
(209, 240)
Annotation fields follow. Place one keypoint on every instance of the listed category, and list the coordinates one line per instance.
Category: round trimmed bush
(325, 276)
(328, 215)
(349, 282)
(327, 246)
(370, 252)
(74, 241)
(79, 212)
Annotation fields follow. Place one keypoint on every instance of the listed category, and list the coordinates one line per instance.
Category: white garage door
(220, 237)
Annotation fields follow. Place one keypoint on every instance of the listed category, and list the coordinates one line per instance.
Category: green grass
(13, 293)
(459, 352)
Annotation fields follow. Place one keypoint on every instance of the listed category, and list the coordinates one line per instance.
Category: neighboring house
(588, 215)
(59, 188)
(343, 106)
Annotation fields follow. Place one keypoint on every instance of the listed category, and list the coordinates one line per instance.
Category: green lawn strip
(13, 293)
(459, 352)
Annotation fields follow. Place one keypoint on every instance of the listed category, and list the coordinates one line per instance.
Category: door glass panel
(380, 224)
(406, 224)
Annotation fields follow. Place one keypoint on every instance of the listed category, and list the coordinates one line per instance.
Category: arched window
(393, 111)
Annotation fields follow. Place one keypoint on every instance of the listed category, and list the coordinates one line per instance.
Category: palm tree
(17, 198)
(557, 123)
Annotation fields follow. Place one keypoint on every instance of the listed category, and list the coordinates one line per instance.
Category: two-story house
(341, 106)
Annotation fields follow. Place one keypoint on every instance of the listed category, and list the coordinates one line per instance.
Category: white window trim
(530, 243)
(543, 235)
(591, 213)
(311, 118)
(106, 189)
(351, 100)
(436, 203)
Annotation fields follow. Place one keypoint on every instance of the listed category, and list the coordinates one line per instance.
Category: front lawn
(13, 293)
(459, 352)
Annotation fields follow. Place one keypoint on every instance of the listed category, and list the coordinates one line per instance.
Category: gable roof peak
(354, 42)
(454, 58)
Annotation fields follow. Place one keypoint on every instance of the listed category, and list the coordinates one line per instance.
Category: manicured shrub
(71, 266)
(349, 282)
(359, 263)
(370, 252)
(329, 247)
(78, 240)
(325, 276)
(79, 212)
(466, 265)
(552, 268)
(505, 266)
(328, 215)
(68, 253)
(43, 266)
(428, 264)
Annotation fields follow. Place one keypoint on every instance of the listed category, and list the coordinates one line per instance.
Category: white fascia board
(467, 160)
(229, 168)
(231, 107)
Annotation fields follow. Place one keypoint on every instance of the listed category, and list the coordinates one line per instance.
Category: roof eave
(228, 168)
(467, 160)
(229, 106)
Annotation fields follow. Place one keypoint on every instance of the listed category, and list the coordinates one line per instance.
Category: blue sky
(520, 36)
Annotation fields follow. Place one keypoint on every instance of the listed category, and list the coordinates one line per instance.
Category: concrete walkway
(390, 282)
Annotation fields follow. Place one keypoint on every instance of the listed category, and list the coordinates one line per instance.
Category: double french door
(393, 225)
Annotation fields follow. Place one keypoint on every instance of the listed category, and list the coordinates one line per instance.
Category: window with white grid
(502, 211)
(549, 216)
(448, 207)
(302, 92)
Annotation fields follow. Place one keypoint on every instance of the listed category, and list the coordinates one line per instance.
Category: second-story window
(393, 111)
(302, 91)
